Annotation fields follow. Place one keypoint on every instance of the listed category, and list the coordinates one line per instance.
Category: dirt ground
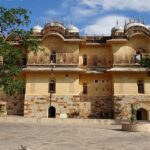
(70, 137)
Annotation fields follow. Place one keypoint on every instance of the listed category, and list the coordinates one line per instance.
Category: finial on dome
(71, 22)
(37, 22)
(143, 22)
(45, 22)
(125, 22)
(117, 22)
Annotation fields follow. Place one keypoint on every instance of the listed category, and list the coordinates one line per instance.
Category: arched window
(140, 85)
(84, 60)
(53, 57)
(138, 57)
(85, 88)
(52, 86)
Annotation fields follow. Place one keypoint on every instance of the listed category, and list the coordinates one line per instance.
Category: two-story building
(78, 76)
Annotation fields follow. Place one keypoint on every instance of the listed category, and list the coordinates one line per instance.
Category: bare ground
(70, 137)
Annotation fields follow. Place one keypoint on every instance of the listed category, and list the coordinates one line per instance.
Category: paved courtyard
(70, 137)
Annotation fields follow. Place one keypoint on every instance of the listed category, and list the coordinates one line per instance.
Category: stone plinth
(137, 127)
(74, 106)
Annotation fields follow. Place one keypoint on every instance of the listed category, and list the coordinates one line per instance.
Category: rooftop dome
(148, 27)
(117, 28)
(136, 27)
(37, 29)
(135, 24)
(58, 24)
(73, 28)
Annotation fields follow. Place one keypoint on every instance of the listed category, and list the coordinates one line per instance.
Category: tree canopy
(12, 23)
(145, 62)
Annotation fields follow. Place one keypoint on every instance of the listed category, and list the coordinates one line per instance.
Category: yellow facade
(103, 85)
(110, 74)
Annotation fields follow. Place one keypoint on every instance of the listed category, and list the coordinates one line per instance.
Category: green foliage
(146, 63)
(133, 113)
(10, 60)
(12, 22)
(12, 86)
(13, 18)
(29, 42)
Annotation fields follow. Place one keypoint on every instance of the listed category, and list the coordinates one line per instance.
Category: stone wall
(100, 106)
(74, 106)
(3, 110)
(122, 105)
(15, 105)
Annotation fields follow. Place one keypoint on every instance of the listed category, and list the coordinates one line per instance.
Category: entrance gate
(142, 114)
(51, 112)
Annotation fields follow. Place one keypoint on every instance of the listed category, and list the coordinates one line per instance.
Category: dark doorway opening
(141, 114)
(51, 112)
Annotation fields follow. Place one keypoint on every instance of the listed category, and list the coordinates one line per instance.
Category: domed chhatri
(54, 24)
(132, 27)
(133, 23)
(136, 27)
(117, 30)
(73, 29)
(37, 28)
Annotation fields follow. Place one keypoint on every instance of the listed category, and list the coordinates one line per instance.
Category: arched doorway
(142, 114)
(51, 112)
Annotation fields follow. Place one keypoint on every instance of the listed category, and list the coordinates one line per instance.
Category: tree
(12, 22)
(133, 113)
(145, 62)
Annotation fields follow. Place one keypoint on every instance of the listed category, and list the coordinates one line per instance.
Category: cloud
(83, 12)
(52, 13)
(70, 11)
(136, 5)
(104, 25)
(79, 13)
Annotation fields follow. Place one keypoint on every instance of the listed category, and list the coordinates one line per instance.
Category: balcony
(58, 59)
(96, 63)
(129, 60)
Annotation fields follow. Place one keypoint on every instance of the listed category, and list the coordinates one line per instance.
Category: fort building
(76, 76)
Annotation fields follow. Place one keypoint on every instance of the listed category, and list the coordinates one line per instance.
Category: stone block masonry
(73, 105)
(122, 105)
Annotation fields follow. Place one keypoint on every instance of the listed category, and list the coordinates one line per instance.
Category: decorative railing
(60, 59)
(54, 27)
(96, 61)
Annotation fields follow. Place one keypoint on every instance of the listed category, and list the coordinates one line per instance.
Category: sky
(92, 17)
